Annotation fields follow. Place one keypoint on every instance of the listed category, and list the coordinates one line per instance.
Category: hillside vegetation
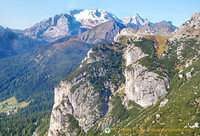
(181, 112)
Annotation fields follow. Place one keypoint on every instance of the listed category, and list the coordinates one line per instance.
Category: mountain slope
(32, 76)
(55, 27)
(160, 28)
(87, 93)
(126, 86)
(1, 28)
(14, 43)
(50, 63)
(73, 23)
(117, 82)
(102, 33)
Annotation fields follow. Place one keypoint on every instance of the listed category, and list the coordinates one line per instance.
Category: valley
(83, 71)
(11, 105)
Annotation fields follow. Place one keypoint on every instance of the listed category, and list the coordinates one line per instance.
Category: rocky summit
(190, 29)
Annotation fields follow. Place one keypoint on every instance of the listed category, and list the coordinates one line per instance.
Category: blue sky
(21, 14)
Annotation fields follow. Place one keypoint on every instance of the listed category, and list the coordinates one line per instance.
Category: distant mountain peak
(79, 21)
(135, 20)
(72, 23)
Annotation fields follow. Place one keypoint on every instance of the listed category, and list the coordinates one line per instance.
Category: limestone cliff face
(73, 103)
(83, 99)
(82, 96)
(58, 115)
(144, 87)
(141, 86)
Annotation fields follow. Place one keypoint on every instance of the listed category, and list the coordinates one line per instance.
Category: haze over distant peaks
(79, 21)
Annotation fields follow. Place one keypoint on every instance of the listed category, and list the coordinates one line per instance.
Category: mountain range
(141, 84)
(79, 21)
(103, 71)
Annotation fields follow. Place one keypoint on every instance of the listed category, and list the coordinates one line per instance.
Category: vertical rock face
(73, 103)
(133, 54)
(142, 87)
(58, 116)
(55, 27)
(58, 30)
(84, 95)
(80, 104)
(83, 98)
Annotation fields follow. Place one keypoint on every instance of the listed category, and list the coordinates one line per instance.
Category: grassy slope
(182, 108)
(12, 103)
(160, 42)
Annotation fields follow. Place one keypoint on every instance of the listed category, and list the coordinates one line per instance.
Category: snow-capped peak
(76, 22)
(135, 20)
(92, 17)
